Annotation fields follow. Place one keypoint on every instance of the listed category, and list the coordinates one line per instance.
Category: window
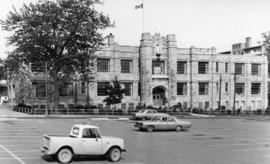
(203, 88)
(126, 66)
(181, 88)
(203, 67)
(102, 88)
(103, 65)
(83, 87)
(240, 88)
(90, 133)
(216, 66)
(181, 67)
(206, 104)
(255, 88)
(128, 88)
(38, 67)
(226, 67)
(217, 88)
(226, 87)
(239, 68)
(66, 89)
(158, 67)
(39, 88)
(255, 69)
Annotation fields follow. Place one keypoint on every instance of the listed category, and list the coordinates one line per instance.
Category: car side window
(170, 120)
(154, 111)
(164, 119)
(88, 133)
(149, 111)
(96, 132)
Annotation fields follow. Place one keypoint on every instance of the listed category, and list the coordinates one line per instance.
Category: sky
(199, 23)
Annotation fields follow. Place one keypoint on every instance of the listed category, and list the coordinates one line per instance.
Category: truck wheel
(114, 154)
(64, 155)
(150, 128)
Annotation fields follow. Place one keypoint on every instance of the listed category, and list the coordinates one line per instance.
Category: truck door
(91, 141)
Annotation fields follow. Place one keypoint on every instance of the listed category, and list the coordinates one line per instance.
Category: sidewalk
(6, 112)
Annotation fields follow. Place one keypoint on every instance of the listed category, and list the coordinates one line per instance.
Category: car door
(163, 124)
(91, 143)
(171, 124)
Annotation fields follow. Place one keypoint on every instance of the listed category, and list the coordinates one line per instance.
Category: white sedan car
(163, 123)
(147, 114)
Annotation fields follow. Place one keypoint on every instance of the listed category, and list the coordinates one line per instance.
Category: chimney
(248, 42)
(110, 39)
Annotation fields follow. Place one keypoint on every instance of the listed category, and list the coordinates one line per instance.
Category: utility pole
(190, 80)
(46, 89)
(219, 96)
(234, 93)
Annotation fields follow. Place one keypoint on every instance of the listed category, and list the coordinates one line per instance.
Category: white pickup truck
(83, 140)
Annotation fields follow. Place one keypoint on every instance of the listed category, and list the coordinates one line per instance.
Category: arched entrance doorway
(159, 96)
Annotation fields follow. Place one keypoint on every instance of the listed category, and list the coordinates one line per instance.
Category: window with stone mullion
(181, 88)
(128, 88)
(255, 69)
(181, 67)
(103, 65)
(126, 66)
(255, 88)
(202, 67)
(240, 88)
(203, 88)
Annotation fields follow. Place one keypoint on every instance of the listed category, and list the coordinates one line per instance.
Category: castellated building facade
(158, 73)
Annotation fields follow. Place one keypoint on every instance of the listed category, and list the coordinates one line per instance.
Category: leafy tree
(2, 70)
(63, 33)
(266, 44)
(115, 93)
(266, 41)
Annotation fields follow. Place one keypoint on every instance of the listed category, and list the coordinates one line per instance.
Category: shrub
(90, 107)
(151, 107)
(267, 111)
(140, 106)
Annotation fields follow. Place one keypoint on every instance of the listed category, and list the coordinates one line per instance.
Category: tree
(63, 33)
(2, 70)
(266, 42)
(115, 93)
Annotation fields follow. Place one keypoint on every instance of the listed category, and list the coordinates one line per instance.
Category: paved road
(210, 141)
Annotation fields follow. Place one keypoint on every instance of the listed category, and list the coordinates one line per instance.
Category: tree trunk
(56, 92)
(87, 94)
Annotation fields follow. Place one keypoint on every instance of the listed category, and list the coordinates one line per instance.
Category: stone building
(159, 73)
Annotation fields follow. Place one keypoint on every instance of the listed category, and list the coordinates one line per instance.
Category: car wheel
(114, 154)
(64, 155)
(150, 128)
(178, 128)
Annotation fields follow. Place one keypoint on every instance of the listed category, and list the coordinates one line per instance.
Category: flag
(140, 6)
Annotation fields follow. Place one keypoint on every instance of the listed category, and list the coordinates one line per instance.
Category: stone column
(145, 55)
(172, 66)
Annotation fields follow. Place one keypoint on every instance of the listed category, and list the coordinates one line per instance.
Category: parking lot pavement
(214, 141)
